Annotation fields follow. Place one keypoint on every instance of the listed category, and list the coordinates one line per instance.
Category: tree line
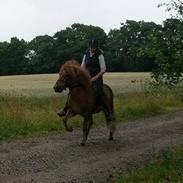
(135, 46)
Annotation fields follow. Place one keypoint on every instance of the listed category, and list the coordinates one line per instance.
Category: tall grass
(25, 116)
(135, 105)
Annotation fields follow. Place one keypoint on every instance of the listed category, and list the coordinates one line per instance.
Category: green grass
(166, 168)
(32, 108)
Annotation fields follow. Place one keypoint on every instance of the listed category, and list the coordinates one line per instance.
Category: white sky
(30, 18)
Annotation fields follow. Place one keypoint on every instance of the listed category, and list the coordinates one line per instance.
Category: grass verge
(166, 168)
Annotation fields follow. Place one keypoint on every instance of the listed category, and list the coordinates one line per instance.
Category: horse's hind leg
(111, 124)
(107, 108)
(110, 119)
(87, 123)
(112, 128)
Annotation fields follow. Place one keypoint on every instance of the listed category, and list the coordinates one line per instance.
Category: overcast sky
(29, 18)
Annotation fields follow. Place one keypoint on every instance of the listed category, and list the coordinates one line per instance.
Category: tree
(3, 56)
(12, 57)
(41, 55)
(130, 46)
(170, 49)
(176, 6)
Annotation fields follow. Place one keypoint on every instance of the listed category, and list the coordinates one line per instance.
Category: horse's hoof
(112, 127)
(111, 137)
(82, 143)
(70, 129)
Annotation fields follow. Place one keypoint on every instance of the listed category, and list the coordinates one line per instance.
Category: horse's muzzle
(58, 89)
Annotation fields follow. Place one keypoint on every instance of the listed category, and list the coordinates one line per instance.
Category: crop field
(42, 85)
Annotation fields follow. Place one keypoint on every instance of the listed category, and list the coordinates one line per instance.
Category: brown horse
(81, 98)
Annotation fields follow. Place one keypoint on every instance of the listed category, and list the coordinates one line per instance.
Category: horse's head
(67, 76)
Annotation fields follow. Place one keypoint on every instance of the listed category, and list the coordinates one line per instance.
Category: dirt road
(59, 158)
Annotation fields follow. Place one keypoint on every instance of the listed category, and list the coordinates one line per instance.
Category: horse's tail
(110, 96)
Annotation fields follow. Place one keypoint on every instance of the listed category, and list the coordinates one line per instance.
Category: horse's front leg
(87, 123)
(84, 131)
(90, 123)
(65, 119)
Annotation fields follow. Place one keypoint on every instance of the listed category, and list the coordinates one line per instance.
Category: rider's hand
(93, 79)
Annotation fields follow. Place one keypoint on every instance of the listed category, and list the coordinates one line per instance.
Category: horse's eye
(66, 76)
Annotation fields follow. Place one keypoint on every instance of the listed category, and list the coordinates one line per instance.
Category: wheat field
(42, 84)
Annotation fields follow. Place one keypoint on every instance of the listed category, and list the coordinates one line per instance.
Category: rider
(94, 62)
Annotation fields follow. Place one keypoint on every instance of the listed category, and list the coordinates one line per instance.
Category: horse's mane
(73, 68)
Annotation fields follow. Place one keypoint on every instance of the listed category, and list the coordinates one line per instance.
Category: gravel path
(59, 158)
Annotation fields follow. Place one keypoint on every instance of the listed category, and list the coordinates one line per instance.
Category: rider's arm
(83, 62)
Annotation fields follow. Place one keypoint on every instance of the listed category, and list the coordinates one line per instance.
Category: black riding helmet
(93, 43)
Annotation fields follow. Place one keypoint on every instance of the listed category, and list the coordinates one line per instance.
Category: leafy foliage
(12, 57)
(168, 49)
(176, 6)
